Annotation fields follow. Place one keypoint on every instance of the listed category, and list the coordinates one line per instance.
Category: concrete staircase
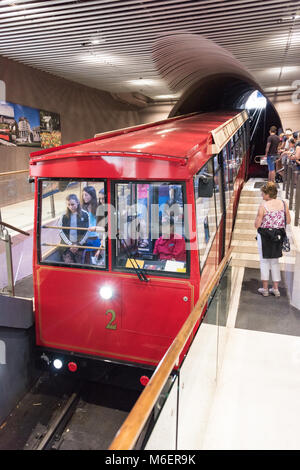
(245, 252)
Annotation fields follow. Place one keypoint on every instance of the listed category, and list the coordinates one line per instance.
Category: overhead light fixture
(142, 82)
(94, 58)
(284, 69)
(166, 97)
(94, 40)
(291, 17)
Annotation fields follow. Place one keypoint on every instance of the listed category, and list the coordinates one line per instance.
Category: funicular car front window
(150, 227)
(72, 223)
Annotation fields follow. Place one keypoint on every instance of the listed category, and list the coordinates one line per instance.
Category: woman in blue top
(89, 204)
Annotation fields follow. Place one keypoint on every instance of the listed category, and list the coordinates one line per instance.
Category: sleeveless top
(273, 219)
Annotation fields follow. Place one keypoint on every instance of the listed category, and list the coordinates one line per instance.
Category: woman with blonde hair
(272, 217)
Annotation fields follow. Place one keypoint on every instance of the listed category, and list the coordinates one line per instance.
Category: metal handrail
(297, 205)
(14, 228)
(14, 172)
(292, 188)
(129, 432)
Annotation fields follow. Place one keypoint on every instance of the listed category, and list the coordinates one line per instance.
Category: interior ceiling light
(94, 40)
(284, 69)
(142, 82)
(280, 88)
(291, 17)
(167, 97)
(94, 58)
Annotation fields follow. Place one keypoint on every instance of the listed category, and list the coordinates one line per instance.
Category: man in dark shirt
(272, 152)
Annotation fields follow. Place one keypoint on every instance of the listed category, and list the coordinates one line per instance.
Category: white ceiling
(108, 44)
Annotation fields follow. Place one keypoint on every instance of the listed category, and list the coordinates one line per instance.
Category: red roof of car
(171, 138)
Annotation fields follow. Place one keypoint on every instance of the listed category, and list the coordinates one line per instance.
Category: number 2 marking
(110, 325)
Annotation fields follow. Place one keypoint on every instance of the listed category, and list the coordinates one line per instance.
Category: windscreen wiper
(138, 270)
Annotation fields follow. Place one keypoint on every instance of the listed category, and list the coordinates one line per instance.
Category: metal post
(288, 182)
(297, 208)
(285, 175)
(292, 184)
(9, 264)
(52, 205)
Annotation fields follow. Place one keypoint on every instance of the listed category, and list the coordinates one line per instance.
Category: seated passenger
(73, 218)
(170, 246)
(89, 204)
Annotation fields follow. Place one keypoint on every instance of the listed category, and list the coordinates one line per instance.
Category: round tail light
(144, 380)
(72, 366)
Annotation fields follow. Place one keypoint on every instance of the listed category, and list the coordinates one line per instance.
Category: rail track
(60, 414)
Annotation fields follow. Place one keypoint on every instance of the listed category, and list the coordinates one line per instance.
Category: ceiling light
(291, 17)
(94, 58)
(142, 82)
(285, 69)
(280, 88)
(166, 97)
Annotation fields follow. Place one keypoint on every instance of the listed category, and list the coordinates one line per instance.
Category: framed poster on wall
(50, 132)
(26, 126)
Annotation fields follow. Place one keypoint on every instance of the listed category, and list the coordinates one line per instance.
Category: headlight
(106, 292)
(57, 363)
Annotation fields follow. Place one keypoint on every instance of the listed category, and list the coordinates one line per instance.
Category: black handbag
(286, 246)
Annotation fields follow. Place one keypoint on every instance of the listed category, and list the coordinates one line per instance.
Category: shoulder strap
(264, 206)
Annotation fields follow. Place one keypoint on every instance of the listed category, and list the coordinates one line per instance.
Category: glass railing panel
(163, 435)
(197, 378)
(22, 264)
(14, 187)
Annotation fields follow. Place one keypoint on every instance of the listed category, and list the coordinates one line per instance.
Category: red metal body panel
(147, 317)
(142, 319)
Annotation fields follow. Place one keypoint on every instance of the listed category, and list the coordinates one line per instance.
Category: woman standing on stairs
(272, 217)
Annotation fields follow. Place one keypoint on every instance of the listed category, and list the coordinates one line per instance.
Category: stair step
(249, 215)
(251, 193)
(245, 224)
(250, 200)
(239, 235)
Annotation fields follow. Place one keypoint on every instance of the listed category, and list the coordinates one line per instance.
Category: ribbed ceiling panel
(107, 44)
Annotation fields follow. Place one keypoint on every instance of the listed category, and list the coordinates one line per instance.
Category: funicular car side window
(72, 223)
(208, 211)
(150, 227)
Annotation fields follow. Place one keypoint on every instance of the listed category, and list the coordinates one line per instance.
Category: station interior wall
(288, 109)
(84, 112)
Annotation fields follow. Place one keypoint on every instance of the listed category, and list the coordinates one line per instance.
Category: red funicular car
(130, 225)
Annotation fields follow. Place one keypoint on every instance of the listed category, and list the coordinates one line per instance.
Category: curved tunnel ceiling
(208, 77)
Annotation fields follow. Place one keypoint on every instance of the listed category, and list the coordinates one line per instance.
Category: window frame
(39, 225)
(114, 223)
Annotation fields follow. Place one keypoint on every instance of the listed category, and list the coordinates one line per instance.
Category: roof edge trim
(222, 134)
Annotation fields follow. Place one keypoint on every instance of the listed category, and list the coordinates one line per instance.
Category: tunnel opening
(231, 92)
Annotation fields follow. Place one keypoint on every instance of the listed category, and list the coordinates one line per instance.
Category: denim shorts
(271, 162)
